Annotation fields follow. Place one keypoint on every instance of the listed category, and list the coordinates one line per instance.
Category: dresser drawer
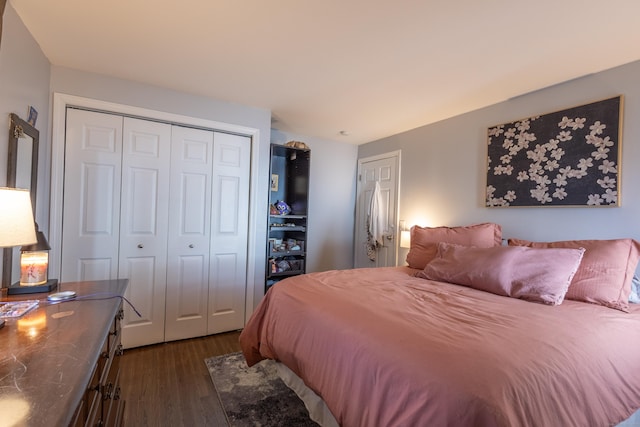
(101, 404)
(113, 404)
(89, 410)
(115, 330)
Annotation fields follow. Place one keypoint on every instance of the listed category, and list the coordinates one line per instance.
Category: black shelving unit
(287, 236)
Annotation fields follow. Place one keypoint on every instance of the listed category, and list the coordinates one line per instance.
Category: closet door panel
(138, 270)
(92, 181)
(94, 268)
(189, 233)
(229, 232)
(189, 303)
(143, 232)
(193, 215)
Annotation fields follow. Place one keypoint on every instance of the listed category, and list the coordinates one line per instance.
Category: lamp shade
(405, 239)
(16, 218)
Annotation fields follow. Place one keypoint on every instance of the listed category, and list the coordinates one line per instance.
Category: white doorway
(384, 169)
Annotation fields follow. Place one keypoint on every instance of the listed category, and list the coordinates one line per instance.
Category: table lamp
(405, 239)
(17, 227)
(16, 220)
(405, 235)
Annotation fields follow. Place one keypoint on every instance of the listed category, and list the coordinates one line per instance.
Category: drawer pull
(107, 392)
(140, 246)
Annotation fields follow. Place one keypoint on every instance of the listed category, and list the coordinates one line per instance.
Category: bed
(396, 347)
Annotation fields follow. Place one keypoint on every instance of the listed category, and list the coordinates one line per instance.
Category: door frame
(397, 154)
(62, 101)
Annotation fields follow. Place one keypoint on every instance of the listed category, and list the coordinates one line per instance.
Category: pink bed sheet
(384, 348)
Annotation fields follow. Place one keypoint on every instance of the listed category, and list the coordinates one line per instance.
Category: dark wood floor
(169, 384)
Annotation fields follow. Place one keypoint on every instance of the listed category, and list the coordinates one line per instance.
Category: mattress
(382, 347)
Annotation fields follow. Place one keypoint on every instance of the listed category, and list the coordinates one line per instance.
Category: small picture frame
(32, 116)
(274, 182)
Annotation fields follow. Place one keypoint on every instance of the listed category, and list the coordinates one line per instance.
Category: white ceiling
(371, 68)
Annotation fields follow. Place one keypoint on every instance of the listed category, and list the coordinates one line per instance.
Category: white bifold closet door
(91, 210)
(189, 233)
(166, 207)
(229, 232)
(144, 206)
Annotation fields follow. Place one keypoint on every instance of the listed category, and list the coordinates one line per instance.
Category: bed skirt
(319, 412)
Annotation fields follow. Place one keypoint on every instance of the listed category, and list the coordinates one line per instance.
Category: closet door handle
(191, 246)
(140, 246)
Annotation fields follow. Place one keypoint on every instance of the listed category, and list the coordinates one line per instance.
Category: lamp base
(16, 289)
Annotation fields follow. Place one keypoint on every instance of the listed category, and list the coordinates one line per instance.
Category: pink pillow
(540, 275)
(424, 240)
(605, 274)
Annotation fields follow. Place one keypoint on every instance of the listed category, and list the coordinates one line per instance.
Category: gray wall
(137, 94)
(27, 78)
(332, 189)
(24, 82)
(444, 165)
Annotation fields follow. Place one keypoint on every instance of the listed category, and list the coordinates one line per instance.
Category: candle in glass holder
(33, 268)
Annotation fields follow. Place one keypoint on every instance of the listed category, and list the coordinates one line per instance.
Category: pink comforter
(384, 348)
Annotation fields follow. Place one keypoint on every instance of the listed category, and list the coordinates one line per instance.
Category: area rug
(255, 396)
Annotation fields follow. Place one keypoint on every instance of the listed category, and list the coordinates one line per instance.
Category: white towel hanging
(375, 223)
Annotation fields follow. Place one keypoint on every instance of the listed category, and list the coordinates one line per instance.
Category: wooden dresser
(59, 363)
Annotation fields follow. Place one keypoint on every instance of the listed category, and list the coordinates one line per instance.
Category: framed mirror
(22, 172)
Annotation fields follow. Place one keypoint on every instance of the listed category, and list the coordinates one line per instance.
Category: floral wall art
(567, 158)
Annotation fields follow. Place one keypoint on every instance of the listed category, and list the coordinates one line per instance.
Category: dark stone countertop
(47, 355)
